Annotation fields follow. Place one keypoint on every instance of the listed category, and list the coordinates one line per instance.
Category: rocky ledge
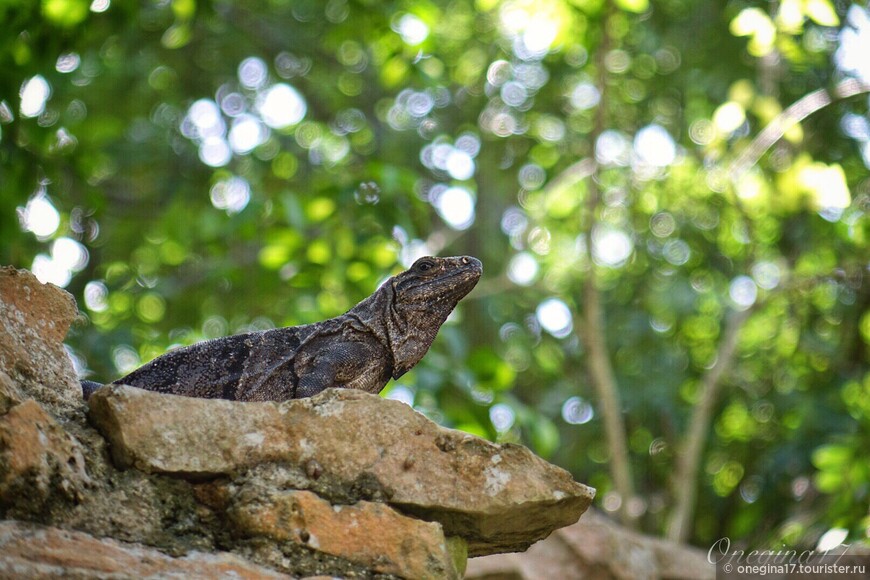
(343, 484)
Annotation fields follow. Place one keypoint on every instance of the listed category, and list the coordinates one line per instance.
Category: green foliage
(193, 169)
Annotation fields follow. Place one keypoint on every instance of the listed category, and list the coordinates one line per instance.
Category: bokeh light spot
(69, 254)
(253, 73)
(459, 165)
(854, 46)
(281, 106)
(401, 393)
(246, 134)
(676, 252)
(729, 117)
(532, 176)
(231, 195)
(662, 224)
(743, 292)
(412, 30)
(654, 146)
(576, 411)
(215, 152)
(40, 217)
(767, 275)
(68, 62)
(502, 417)
(96, 296)
(554, 316)
(456, 207)
(612, 148)
(831, 539)
(612, 247)
(584, 96)
(49, 271)
(522, 269)
(34, 94)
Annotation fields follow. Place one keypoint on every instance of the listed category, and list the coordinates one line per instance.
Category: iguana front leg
(317, 377)
(357, 364)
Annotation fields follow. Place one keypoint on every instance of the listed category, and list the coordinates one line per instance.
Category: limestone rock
(37, 459)
(34, 551)
(134, 507)
(343, 484)
(372, 535)
(497, 497)
(596, 547)
(34, 319)
(10, 395)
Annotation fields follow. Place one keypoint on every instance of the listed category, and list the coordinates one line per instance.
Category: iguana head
(419, 300)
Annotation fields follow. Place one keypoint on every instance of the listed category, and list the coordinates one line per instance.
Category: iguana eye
(424, 265)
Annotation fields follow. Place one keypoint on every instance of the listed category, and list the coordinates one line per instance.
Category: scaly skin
(383, 336)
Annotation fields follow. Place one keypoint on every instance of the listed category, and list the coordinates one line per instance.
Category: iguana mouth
(468, 280)
(473, 270)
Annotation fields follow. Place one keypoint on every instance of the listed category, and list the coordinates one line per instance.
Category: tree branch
(593, 324)
(685, 481)
(593, 329)
(574, 173)
(797, 112)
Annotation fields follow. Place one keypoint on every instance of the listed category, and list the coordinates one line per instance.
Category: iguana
(383, 336)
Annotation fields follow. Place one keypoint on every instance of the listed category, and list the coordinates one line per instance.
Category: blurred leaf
(822, 12)
(184, 9)
(65, 13)
(633, 5)
(545, 437)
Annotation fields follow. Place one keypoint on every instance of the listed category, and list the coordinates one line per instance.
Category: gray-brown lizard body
(383, 336)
